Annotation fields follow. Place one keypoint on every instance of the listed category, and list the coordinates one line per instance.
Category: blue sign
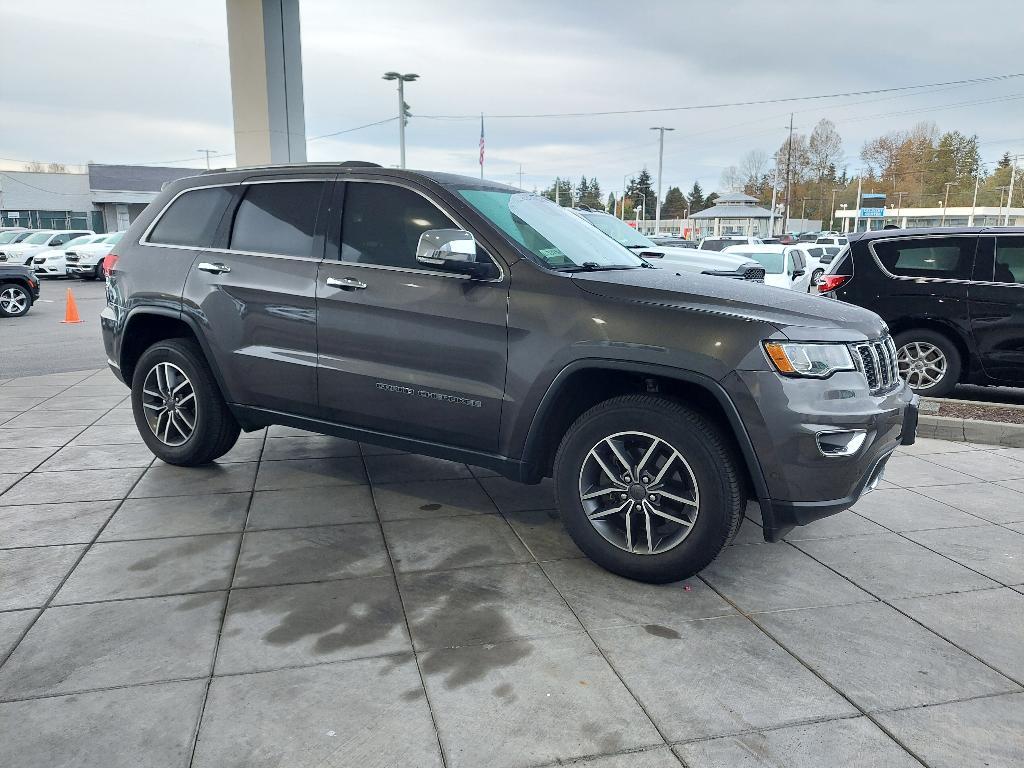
(872, 213)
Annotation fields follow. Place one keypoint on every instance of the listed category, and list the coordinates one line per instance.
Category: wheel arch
(145, 326)
(581, 385)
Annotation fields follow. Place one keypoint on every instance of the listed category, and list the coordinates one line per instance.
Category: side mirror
(799, 273)
(452, 250)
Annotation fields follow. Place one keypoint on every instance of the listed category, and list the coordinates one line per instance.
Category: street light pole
(661, 152)
(974, 201)
(403, 109)
(789, 158)
(1009, 195)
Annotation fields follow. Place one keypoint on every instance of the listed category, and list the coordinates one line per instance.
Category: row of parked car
(58, 253)
(797, 266)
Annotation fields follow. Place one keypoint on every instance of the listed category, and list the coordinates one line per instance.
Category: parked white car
(816, 258)
(53, 262)
(726, 241)
(785, 266)
(832, 239)
(86, 261)
(45, 239)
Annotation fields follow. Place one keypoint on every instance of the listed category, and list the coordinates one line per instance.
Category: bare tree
(732, 179)
(753, 167)
(56, 168)
(824, 149)
(35, 167)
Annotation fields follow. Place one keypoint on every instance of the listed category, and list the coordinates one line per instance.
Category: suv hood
(799, 315)
(692, 260)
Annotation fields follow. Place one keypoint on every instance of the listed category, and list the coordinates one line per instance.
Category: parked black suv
(19, 289)
(953, 299)
(466, 320)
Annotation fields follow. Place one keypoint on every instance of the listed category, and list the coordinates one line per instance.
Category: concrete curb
(971, 431)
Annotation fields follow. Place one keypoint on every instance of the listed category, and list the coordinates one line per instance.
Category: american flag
(481, 145)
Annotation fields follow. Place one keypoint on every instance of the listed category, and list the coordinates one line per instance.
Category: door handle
(213, 269)
(346, 283)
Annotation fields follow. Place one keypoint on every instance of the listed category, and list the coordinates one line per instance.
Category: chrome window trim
(441, 207)
(949, 280)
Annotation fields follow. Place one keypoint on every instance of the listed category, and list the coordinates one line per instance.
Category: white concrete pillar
(266, 81)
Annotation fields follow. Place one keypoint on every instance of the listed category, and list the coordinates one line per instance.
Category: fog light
(841, 443)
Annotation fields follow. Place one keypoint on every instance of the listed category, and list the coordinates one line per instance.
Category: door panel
(415, 352)
(997, 307)
(259, 309)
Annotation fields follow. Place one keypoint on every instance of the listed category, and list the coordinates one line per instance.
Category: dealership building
(103, 198)
(966, 216)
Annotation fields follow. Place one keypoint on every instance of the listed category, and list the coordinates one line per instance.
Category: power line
(751, 103)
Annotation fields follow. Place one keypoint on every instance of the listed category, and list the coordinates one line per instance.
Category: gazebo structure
(733, 214)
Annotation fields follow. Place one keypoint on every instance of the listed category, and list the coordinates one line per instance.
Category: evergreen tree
(610, 207)
(641, 193)
(709, 201)
(674, 206)
(697, 202)
(565, 192)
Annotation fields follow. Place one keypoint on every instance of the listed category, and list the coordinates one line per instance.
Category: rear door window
(277, 218)
(192, 218)
(950, 258)
(1009, 260)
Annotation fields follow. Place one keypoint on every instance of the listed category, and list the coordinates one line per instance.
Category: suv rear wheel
(648, 488)
(15, 301)
(928, 361)
(178, 407)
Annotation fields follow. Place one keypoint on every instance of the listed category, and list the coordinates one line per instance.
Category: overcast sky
(134, 82)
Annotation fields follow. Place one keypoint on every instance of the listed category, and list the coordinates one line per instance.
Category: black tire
(216, 430)
(954, 362)
(815, 277)
(710, 458)
(15, 292)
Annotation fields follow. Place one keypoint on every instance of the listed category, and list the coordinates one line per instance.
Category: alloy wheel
(169, 400)
(639, 493)
(921, 364)
(13, 301)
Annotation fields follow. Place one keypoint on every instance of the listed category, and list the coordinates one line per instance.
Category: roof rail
(272, 166)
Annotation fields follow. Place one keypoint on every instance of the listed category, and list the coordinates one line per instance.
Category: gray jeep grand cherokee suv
(467, 320)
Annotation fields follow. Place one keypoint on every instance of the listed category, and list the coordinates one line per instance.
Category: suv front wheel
(648, 488)
(178, 407)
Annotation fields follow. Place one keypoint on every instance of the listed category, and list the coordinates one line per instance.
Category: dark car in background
(953, 299)
(19, 290)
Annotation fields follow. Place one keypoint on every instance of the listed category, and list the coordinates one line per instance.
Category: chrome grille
(71, 256)
(877, 361)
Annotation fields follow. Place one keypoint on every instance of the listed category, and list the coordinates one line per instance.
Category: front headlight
(814, 360)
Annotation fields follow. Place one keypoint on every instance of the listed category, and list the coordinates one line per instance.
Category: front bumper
(785, 418)
(81, 269)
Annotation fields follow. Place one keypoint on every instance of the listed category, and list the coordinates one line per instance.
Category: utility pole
(207, 152)
(520, 176)
(899, 203)
(403, 109)
(856, 219)
(945, 200)
(558, 189)
(803, 212)
(832, 221)
(661, 152)
(789, 158)
(1009, 196)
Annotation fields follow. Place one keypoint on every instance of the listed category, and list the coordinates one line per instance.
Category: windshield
(111, 239)
(38, 238)
(79, 241)
(7, 237)
(556, 238)
(772, 262)
(618, 230)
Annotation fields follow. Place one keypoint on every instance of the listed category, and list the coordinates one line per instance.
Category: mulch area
(964, 409)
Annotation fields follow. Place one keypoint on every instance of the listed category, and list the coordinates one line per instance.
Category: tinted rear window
(192, 219)
(277, 218)
(950, 258)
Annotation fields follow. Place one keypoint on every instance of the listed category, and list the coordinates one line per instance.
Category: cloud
(127, 82)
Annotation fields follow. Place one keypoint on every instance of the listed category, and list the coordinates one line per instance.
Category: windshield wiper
(592, 266)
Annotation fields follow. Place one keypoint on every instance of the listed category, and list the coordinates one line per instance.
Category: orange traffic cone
(71, 311)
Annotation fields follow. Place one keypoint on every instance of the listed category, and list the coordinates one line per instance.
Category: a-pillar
(266, 81)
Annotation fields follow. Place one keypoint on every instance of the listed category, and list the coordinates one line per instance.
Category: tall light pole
(832, 221)
(1009, 195)
(789, 158)
(661, 152)
(945, 200)
(207, 152)
(899, 203)
(403, 109)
